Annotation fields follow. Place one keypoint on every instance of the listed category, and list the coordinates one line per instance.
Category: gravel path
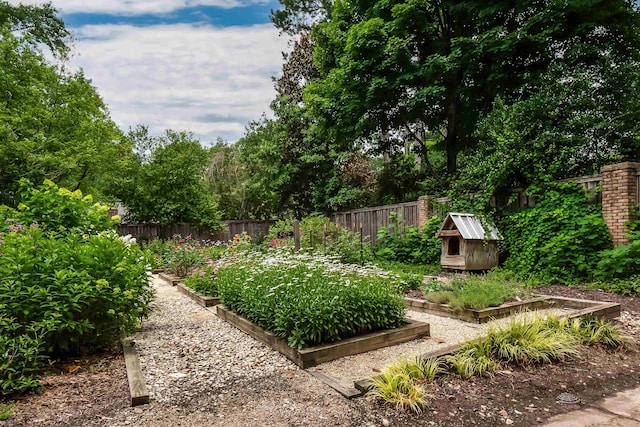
(201, 371)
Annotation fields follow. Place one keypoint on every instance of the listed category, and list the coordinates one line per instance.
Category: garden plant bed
(313, 356)
(596, 308)
(170, 278)
(197, 297)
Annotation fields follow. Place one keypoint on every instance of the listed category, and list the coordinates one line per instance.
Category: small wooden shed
(467, 243)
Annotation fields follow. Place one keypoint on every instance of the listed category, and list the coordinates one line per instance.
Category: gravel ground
(202, 371)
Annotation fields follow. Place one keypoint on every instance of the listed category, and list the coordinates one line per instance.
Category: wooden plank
(137, 386)
(334, 383)
(313, 356)
(197, 297)
(169, 278)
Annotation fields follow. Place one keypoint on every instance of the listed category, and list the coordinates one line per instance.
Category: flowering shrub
(64, 287)
(183, 255)
(55, 209)
(309, 300)
(203, 279)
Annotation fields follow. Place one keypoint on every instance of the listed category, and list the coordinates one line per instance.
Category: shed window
(454, 246)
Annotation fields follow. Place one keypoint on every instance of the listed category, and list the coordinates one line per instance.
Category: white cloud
(136, 7)
(206, 79)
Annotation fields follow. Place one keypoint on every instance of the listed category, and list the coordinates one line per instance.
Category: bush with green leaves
(409, 244)
(319, 235)
(64, 287)
(57, 210)
(309, 300)
(558, 240)
(621, 262)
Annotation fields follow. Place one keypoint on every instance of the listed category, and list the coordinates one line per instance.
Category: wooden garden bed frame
(170, 278)
(595, 308)
(197, 297)
(313, 356)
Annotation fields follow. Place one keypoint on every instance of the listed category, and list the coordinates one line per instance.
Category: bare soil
(98, 389)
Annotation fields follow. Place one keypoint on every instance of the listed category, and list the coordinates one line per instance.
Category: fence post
(296, 235)
(423, 210)
(619, 198)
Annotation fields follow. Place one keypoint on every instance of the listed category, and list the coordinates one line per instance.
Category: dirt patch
(630, 304)
(74, 390)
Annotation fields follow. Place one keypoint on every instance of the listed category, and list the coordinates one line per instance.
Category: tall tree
(53, 124)
(39, 23)
(298, 16)
(166, 183)
(389, 67)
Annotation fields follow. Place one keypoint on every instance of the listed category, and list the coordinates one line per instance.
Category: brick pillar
(423, 210)
(619, 198)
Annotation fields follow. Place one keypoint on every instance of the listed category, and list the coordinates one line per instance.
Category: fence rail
(372, 219)
(255, 229)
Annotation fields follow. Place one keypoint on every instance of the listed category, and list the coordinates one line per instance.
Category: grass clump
(471, 293)
(400, 383)
(309, 300)
(6, 411)
(474, 358)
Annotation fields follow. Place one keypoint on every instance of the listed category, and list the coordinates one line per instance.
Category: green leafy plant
(558, 240)
(204, 279)
(409, 244)
(309, 300)
(621, 262)
(473, 358)
(183, 256)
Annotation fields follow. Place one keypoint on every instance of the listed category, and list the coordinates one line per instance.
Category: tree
(439, 65)
(298, 16)
(39, 23)
(165, 182)
(53, 124)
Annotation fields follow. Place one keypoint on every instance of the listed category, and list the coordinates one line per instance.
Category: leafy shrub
(413, 245)
(308, 300)
(558, 240)
(182, 255)
(63, 288)
(589, 330)
(204, 279)
(621, 262)
(319, 235)
(55, 209)
(628, 286)
(473, 358)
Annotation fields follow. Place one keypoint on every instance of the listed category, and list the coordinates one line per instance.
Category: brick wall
(619, 197)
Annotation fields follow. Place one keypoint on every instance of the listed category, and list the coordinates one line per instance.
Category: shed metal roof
(471, 228)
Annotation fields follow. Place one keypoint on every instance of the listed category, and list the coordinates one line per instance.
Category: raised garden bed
(313, 356)
(199, 298)
(170, 278)
(595, 308)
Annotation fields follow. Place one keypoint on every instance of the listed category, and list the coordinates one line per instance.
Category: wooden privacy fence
(255, 229)
(372, 219)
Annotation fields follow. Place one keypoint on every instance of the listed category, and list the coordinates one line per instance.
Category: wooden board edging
(334, 383)
(313, 356)
(197, 297)
(477, 316)
(169, 278)
(137, 386)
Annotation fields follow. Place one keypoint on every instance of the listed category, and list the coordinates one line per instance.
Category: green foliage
(57, 210)
(54, 124)
(409, 244)
(528, 342)
(182, 255)
(165, 183)
(474, 358)
(558, 240)
(308, 300)
(397, 386)
(319, 235)
(628, 286)
(470, 292)
(204, 279)
(589, 330)
(621, 262)
(6, 411)
(63, 290)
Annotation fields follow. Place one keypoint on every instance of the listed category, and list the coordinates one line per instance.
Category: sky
(204, 66)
